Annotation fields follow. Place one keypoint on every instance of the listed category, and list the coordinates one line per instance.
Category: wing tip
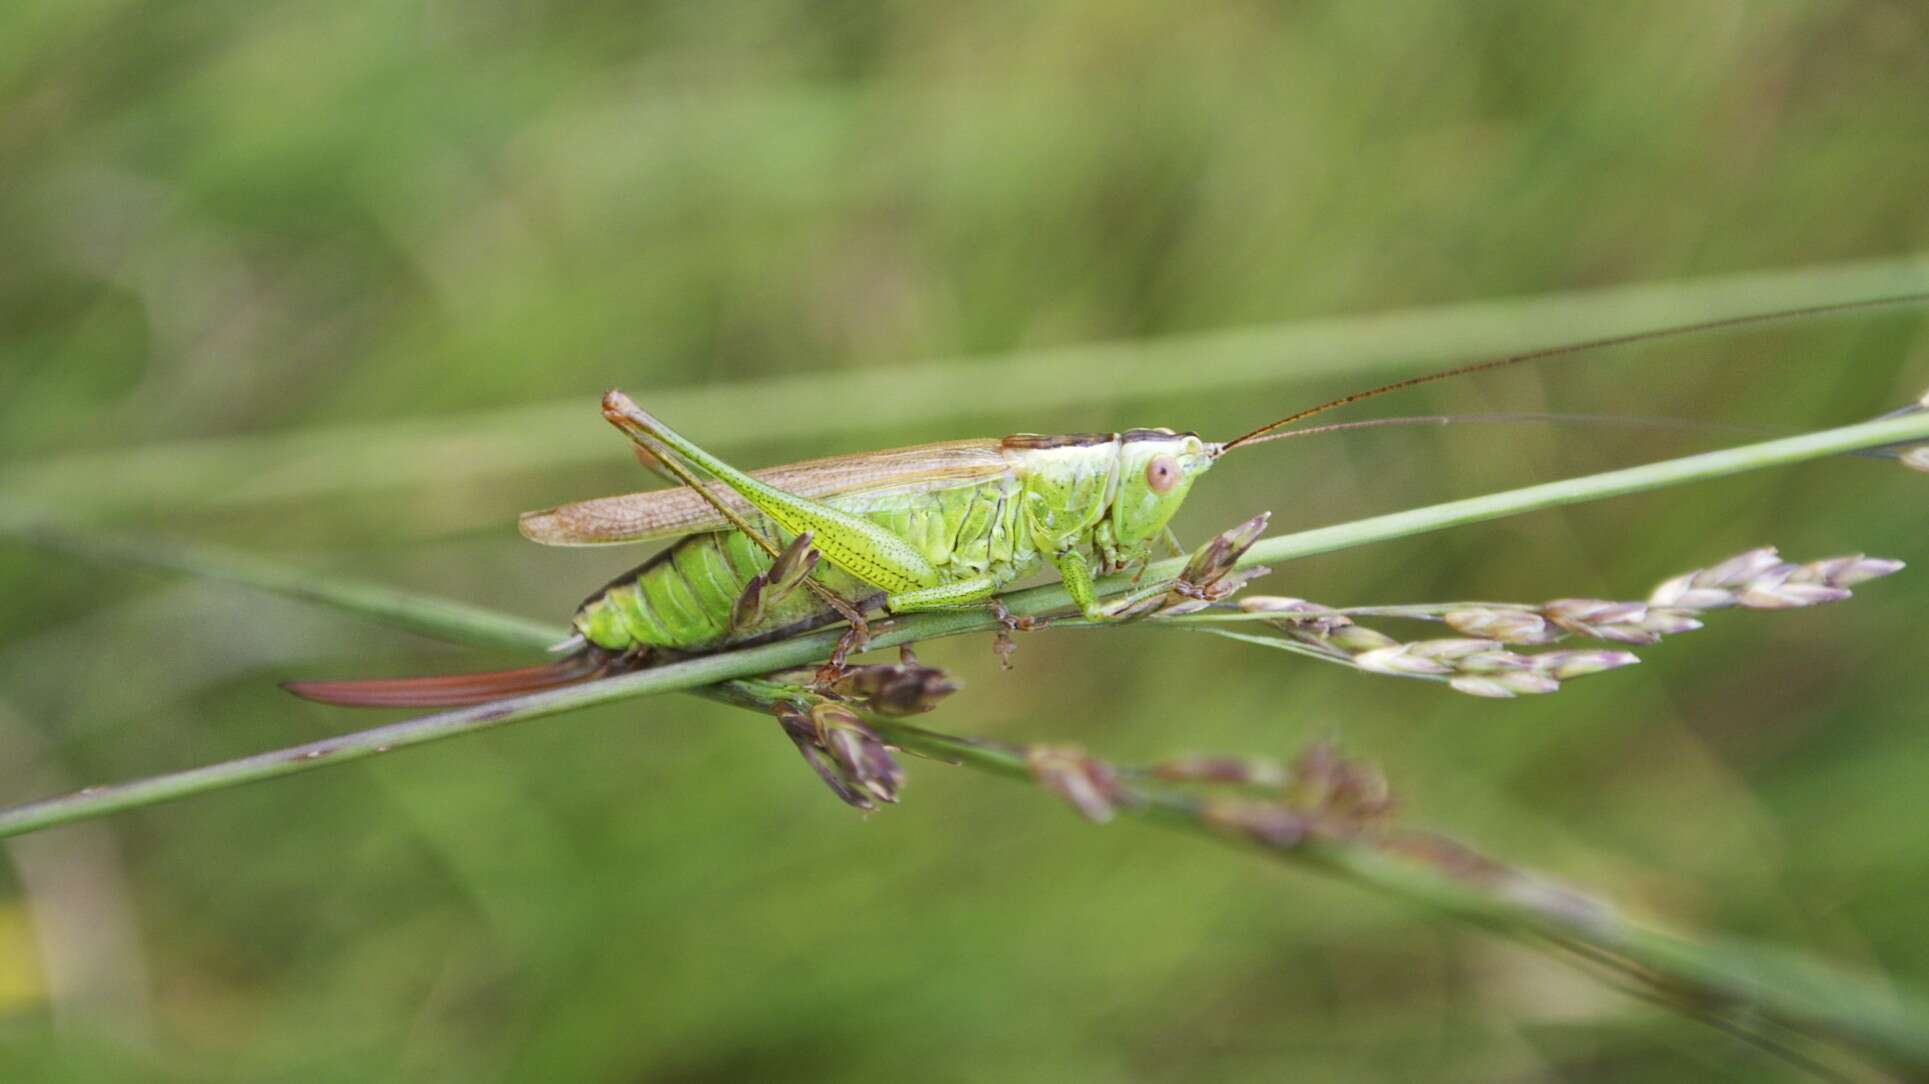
(580, 525)
(542, 526)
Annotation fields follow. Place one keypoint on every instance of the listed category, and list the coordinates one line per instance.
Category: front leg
(1075, 569)
(1111, 558)
(1207, 578)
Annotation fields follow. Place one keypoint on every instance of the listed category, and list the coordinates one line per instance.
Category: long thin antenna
(1623, 421)
(1576, 348)
(1620, 421)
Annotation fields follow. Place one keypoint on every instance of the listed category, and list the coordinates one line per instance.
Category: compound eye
(1162, 473)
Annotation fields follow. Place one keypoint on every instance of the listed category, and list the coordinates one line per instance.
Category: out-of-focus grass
(224, 220)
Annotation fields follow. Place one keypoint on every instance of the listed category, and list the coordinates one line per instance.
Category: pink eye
(1162, 473)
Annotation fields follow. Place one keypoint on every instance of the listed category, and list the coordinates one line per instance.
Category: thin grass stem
(1734, 983)
(436, 617)
(372, 456)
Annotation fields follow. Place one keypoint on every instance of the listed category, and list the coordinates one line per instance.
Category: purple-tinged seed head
(1494, 662)
(1564, 665)
(1397, 660)
(1528, 683)
(1279, 604)
(1739, 569)
(1664, 621)
(1789, 596)
(1358, 639)
(1507, 626)
(1090, 785)
(1847, 571)
(1269, 824)
(1481, 685)
(1450, 650)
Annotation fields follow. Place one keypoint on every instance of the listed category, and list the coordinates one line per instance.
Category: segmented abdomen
(682, 598)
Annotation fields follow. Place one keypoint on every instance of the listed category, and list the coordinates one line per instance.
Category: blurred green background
(340, 284)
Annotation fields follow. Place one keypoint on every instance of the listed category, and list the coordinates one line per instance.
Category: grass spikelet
(1482, 662)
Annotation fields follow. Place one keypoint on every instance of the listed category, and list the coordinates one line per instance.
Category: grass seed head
(1600, 619)
(1507, 626)
(1279, 604)
(1358, 639)
(1504, 686)
(1771, 595)
(1738, 570)
(1210, 575)
(1341, 793)
(902, 688)
(1563, 665)
(1482, 664)
(1216, 558)
(1499, 661)
(1239, 771)
(1089, 784)
(1269, 824)
(1668, 621)
(1400, 659)
(861, 756)
(846, 754)
(1847, 571)
(1761, 580)
(802, 731)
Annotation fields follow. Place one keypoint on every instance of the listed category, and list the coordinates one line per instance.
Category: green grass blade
(438, 617)
(364, 457)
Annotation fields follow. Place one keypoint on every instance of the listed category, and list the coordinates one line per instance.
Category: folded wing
(672, 513)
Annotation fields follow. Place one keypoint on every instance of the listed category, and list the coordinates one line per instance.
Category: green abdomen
(682, 598)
